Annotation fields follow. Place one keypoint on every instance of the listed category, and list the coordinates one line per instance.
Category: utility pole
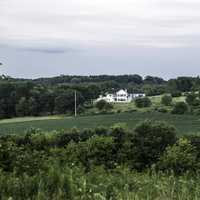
(75, 107)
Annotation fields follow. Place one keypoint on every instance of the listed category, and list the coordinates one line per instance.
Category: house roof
(122, 92)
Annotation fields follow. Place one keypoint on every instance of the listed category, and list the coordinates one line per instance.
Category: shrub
(119, 135)
(100, 104)
(95, 151)
(108, 106)
(196, 102)
(101, 131)
(161, 110)
(179, 158)
(103, 105)
(166, 100)
(150, 141)
(196, 111)
(143, 102)
(191, 98)
(176, 94)
(195, 142)
(180, 108)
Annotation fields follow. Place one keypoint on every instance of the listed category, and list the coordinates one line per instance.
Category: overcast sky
(53, 37)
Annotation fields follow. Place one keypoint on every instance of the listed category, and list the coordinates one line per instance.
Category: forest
(47, 96)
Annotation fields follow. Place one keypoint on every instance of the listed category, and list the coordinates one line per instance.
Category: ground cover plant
(101, 163)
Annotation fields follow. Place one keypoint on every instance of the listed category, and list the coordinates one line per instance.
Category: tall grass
(119, 184)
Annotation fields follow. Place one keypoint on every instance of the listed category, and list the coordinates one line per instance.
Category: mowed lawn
(185, 124)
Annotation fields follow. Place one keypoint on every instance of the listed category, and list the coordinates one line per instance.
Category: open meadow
(126, 113)
(185, 124)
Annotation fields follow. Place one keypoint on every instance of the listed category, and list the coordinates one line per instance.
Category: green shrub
(161, 110)
(195, 142)
(102, 105)
(95, 151)
(149, 142)
(179, 158)
(166, 100)
(190, 98)
(143, 102)
(180, 108)
(176, 94)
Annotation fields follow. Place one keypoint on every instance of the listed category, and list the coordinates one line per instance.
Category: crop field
(185, 124)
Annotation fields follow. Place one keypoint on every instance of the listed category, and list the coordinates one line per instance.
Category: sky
(44, 38)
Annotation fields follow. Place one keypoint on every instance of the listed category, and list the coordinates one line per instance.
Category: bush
(179, 158)
(102, 105)
(150, 141)
(196, 102)
(143, 102)
(195, 142)
(166, 100)
(161, 110)
(196, 111)
(191, 99)
(176, 94)
(95, 151)
(180, 108)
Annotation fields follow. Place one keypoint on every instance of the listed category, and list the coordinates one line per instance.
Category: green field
(156, 103)
(185, 124)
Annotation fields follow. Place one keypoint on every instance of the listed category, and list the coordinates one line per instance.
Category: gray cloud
(158, 37)
(98, 22)
(48, 50)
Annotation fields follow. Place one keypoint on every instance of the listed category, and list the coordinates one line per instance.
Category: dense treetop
(24, 97)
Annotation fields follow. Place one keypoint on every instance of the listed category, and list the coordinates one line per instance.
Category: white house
(122, 96)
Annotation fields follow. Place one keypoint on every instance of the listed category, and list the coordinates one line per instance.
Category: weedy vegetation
(117, 163)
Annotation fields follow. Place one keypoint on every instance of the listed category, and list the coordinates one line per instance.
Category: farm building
(122, 96)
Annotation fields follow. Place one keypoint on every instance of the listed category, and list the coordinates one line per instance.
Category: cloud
(155, 23)
(48, 50)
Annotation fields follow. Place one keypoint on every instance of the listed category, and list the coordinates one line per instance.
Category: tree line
(25, 97)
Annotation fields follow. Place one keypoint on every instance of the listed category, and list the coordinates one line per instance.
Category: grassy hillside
(156, 103)
(185, 124)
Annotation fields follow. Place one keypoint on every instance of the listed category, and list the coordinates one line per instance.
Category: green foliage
(46, 96)
(191, 97)
(119, 184)
(179, 158)
(153, 90)
(101, 163)
(176, 93)
(185, 124)
(65, 101)
(180, 108)
(103, 105)
(166, 100)
(143, 102)
(183, 84)
(22, 108)
(161, 110)
(149, 142)
(195, 142)
(52, 184)
(95, 151)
